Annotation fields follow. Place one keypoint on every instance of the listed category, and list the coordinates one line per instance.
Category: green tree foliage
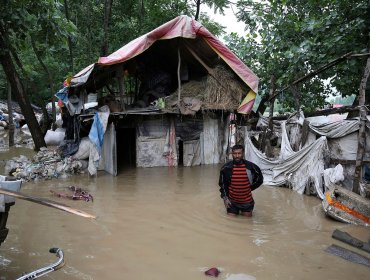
(130, 19)
(40, 24)
(289, 39)
(44, 23)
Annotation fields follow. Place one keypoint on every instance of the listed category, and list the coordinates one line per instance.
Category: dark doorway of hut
(126, 147)
(181, 153)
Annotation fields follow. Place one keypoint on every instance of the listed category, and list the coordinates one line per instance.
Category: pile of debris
(46, 164)
(18, 117)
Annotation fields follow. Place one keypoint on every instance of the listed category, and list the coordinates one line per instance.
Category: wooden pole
(122, 88)
(270, 128)
(47, 202)
(178, 75)
(362, 131)
(10, 118)
(210, 71)
(347, 238)
(297, 97)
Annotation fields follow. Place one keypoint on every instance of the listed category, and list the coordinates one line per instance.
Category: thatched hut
(169, 93)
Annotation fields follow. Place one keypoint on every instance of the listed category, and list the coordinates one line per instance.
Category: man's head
(237, 152)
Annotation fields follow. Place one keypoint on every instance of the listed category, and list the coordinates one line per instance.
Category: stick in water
(47, 202)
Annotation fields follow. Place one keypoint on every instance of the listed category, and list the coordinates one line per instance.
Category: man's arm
(221, 183)
(257, 177)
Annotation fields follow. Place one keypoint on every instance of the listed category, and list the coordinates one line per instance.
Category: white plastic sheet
(333, 176)
(336, 129)
(54, 138)
(297, 170)
(305, 168)
(191, 154)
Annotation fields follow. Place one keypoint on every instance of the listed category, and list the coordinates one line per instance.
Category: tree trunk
(10, 120)
(142, 9)
(107, 15)
(50, 78)
(66, 10)
(297, 96)
(198, 10)
(362, 131)
(270, 128)
(90, 37)
(262, 106)
(20, 94)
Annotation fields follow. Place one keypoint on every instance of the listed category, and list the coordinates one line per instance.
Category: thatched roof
(221, 90)
(179, 49)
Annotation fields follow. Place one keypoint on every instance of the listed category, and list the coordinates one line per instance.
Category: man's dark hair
(237, 147)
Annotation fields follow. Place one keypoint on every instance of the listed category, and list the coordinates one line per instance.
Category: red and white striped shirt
(240, 188)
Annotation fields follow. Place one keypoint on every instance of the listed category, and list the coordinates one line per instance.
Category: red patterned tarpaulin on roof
(181, 26)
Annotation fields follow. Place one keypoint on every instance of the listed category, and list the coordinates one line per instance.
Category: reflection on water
(240, 276)
(167, 223)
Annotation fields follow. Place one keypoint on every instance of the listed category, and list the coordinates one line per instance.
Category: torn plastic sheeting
(264, 121)
(332, 176)
(98, 127)
(298, 170)
(191, 152)
(305, 166)
(344, 147)
(336, 129)
(286, 150)
(149, 152)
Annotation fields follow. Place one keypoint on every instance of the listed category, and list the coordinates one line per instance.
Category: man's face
(237, 155)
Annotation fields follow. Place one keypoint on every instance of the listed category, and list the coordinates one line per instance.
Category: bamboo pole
(362, 131)
(47, 202)
(121, 85)
(178, 75)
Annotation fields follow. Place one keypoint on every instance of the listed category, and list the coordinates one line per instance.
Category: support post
(122, 88)
(270, 128)
(297, 97)
(178, 75)
(362, 131)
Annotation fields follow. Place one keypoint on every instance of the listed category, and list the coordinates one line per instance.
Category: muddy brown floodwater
(170, 223)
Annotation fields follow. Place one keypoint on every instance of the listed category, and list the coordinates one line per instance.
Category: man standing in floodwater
(238, 178)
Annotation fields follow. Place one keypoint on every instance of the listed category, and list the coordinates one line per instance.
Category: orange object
(346, 209)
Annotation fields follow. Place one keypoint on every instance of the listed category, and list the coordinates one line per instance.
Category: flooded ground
(170, 223)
